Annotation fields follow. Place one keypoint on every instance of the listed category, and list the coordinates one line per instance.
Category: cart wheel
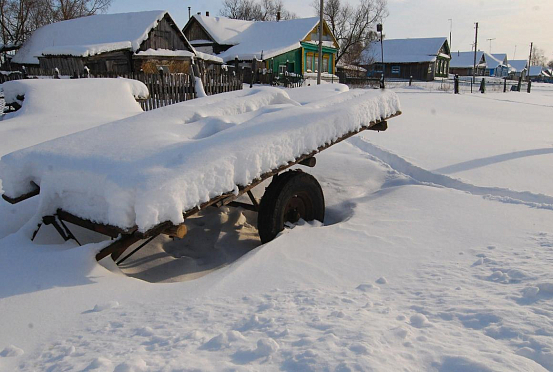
(289, 197)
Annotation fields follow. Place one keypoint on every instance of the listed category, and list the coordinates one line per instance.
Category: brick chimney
(278, 16)
(207, 14)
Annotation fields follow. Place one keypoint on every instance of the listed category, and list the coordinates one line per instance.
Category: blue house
(497, 65)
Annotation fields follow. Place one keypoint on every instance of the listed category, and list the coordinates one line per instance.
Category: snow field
(414, 269)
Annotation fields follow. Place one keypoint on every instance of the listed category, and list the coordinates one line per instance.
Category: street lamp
(379, 29)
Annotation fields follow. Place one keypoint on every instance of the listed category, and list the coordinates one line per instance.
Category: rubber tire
(279, 195)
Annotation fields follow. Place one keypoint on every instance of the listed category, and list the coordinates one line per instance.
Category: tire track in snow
(424, 176)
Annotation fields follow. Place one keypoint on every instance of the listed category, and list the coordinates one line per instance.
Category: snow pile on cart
(153, 167)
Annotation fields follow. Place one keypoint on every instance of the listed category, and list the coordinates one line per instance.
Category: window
(325, 64)
(378, 67)
(395, 69)
(281, 69)
(316, 63)
(309, 62)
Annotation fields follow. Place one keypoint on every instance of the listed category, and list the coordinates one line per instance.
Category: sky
(512, 24)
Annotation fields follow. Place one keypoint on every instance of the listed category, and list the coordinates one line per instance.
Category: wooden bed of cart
(290, 196)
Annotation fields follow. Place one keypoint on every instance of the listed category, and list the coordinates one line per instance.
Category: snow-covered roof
(465, 59)
(91, 35)
(256, 39)
(221, 29)
(500, 56)
(492, 62)
(346, 66)
(406, 50)
(535, 70)
(518, 64)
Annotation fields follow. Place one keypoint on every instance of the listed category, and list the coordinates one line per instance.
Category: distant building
(517, 68)
(422, 58)
(109, 43)
(462, 63)
(289, 46)
(497, 65)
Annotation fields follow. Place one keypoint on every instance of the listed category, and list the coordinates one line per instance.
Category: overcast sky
(509, 22)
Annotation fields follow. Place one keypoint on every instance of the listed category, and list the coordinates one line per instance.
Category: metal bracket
(60, 227)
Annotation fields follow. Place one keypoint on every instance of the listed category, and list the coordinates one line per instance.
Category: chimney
(207, 14)
(278, 16)
(199, 13)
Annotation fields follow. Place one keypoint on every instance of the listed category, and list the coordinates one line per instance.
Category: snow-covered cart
(143, 176)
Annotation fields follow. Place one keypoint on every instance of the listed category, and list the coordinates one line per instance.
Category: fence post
(519, 83)
(483, 86)
(410, 80)
(529, 86)
(456, 84)
(504, 84)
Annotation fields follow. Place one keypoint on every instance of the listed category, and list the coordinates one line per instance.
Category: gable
(166, 35)
(445, 49)
(195, 31)
(328, 36)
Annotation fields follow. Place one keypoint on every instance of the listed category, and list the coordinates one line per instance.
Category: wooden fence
(9, 76)
(165, 88)
(170, 88)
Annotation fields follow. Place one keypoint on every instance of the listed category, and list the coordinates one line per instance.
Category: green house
(283, 46)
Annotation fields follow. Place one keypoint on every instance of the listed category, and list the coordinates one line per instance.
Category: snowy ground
(435, 255)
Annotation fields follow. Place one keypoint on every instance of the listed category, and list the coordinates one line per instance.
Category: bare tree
(255, 10)
(538, 57)
(19, 18)
(353, 27)
(550, 64)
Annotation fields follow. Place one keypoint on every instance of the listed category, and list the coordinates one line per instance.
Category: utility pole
(320, 61)
(450, 29)
(529, 60)
(490, 40)
(475, 49)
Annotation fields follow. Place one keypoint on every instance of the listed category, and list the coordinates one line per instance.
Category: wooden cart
(290, 196)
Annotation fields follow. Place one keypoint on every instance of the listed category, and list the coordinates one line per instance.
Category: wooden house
(462, 63)
(421, 58)
(109, 43)
(289, 46)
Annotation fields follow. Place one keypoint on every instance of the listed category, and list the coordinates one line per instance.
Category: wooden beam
(30, 194)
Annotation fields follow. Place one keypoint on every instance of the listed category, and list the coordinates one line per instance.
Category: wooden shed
(109, 44)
